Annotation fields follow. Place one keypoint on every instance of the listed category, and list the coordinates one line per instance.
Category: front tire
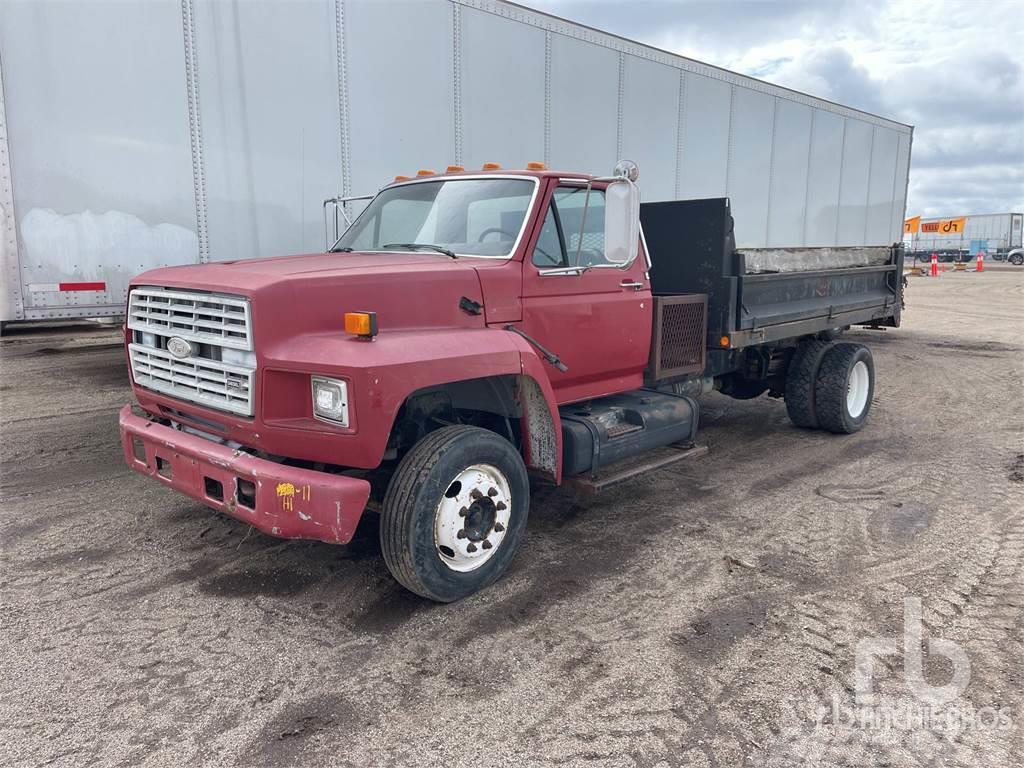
(1017, 259)
(454, 513)
(844, 388)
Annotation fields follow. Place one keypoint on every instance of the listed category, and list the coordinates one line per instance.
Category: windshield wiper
(420, 247)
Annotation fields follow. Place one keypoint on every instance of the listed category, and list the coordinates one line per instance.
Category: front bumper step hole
(139, 451)
(163, 468)
(246, 493)
(214, 488)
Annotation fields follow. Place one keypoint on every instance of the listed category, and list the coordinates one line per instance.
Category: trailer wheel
(800, 378)
(844, 388)
(454, 513)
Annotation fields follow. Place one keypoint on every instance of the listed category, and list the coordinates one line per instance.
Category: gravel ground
(706, 614)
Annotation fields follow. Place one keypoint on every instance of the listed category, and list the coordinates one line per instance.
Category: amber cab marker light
(425, 172)
(492, 166)
(724, 341)
(535, 165)
(454, 168)
(402, 178)
(361, 324)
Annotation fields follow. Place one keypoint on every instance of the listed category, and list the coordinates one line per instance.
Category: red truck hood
(310, 293)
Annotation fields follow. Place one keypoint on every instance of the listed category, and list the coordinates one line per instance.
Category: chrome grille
(220, 370)
(223, 386)
(204, 317)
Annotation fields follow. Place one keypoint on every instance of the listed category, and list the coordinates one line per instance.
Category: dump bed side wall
(692, 251)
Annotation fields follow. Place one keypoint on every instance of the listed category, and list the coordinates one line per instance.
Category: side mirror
(621, 221)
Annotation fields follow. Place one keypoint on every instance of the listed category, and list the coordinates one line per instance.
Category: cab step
(619, 472)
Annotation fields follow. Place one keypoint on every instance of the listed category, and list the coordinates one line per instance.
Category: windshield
(471, 217)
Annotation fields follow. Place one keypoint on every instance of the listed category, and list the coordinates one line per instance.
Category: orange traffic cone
(935, 265)
(981, 262)
(943, 269)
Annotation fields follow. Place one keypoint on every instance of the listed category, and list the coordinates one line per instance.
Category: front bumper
(287, 502)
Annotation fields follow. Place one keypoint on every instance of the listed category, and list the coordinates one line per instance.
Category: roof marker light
(454, 168)
(535, 165)
(492, 166)
(425, 172)
(402, 178)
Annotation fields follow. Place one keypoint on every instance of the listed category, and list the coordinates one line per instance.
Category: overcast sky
(953, 70)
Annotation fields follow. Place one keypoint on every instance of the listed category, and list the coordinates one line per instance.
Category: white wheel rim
(472, 517)
(857, 387)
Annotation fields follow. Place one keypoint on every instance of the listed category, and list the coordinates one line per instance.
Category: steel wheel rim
(472, 517)
(857, 387)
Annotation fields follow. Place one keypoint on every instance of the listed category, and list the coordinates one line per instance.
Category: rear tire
(454, 513)
(844, 388)
(800, 380)
(1017, 259)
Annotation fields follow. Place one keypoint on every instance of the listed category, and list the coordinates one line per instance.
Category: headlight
(330, 400)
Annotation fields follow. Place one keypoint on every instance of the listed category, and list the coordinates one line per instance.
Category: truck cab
(467, 331)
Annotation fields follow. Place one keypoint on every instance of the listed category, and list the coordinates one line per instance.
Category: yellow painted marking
(287, 492)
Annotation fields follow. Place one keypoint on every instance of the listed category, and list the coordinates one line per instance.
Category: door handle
(636, 286)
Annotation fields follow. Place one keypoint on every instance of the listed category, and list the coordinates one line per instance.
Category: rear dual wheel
(454, 513)
(830, 386)
(844, 388)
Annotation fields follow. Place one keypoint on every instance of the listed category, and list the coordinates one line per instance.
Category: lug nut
(500, 506)
(475, 494)
(499, 527)
(461, 534)
(471, 547)
(487, 544)
(463, 512)
(492, 491)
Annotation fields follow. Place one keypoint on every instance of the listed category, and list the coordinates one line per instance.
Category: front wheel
(1017, 259)
(454, 513)
(844, 388)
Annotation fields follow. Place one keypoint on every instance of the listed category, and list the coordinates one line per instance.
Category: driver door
(593, 314)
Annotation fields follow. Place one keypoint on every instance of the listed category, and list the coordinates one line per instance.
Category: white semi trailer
(134, 135)
(997, 234)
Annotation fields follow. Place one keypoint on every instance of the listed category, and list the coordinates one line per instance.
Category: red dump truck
(468, 331)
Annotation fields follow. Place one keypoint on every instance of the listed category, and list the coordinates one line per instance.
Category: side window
(548, 251)
(561, 242)
(571, 201)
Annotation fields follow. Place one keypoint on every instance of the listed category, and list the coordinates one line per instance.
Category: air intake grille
(223, 321)
(212, 383)
(678, 341)
(217, 367)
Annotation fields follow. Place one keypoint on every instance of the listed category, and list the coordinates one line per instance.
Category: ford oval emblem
(179, 347)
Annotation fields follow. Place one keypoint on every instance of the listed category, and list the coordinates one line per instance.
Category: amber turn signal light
(724, 341)
(361, 324)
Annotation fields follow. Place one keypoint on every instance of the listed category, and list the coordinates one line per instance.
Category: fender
(383, 372)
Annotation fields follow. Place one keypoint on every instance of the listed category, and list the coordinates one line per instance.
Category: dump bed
(755, 296)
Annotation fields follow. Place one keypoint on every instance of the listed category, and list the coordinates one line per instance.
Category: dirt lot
(704, 615)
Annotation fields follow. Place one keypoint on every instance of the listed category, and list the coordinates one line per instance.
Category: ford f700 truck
(467, 331)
